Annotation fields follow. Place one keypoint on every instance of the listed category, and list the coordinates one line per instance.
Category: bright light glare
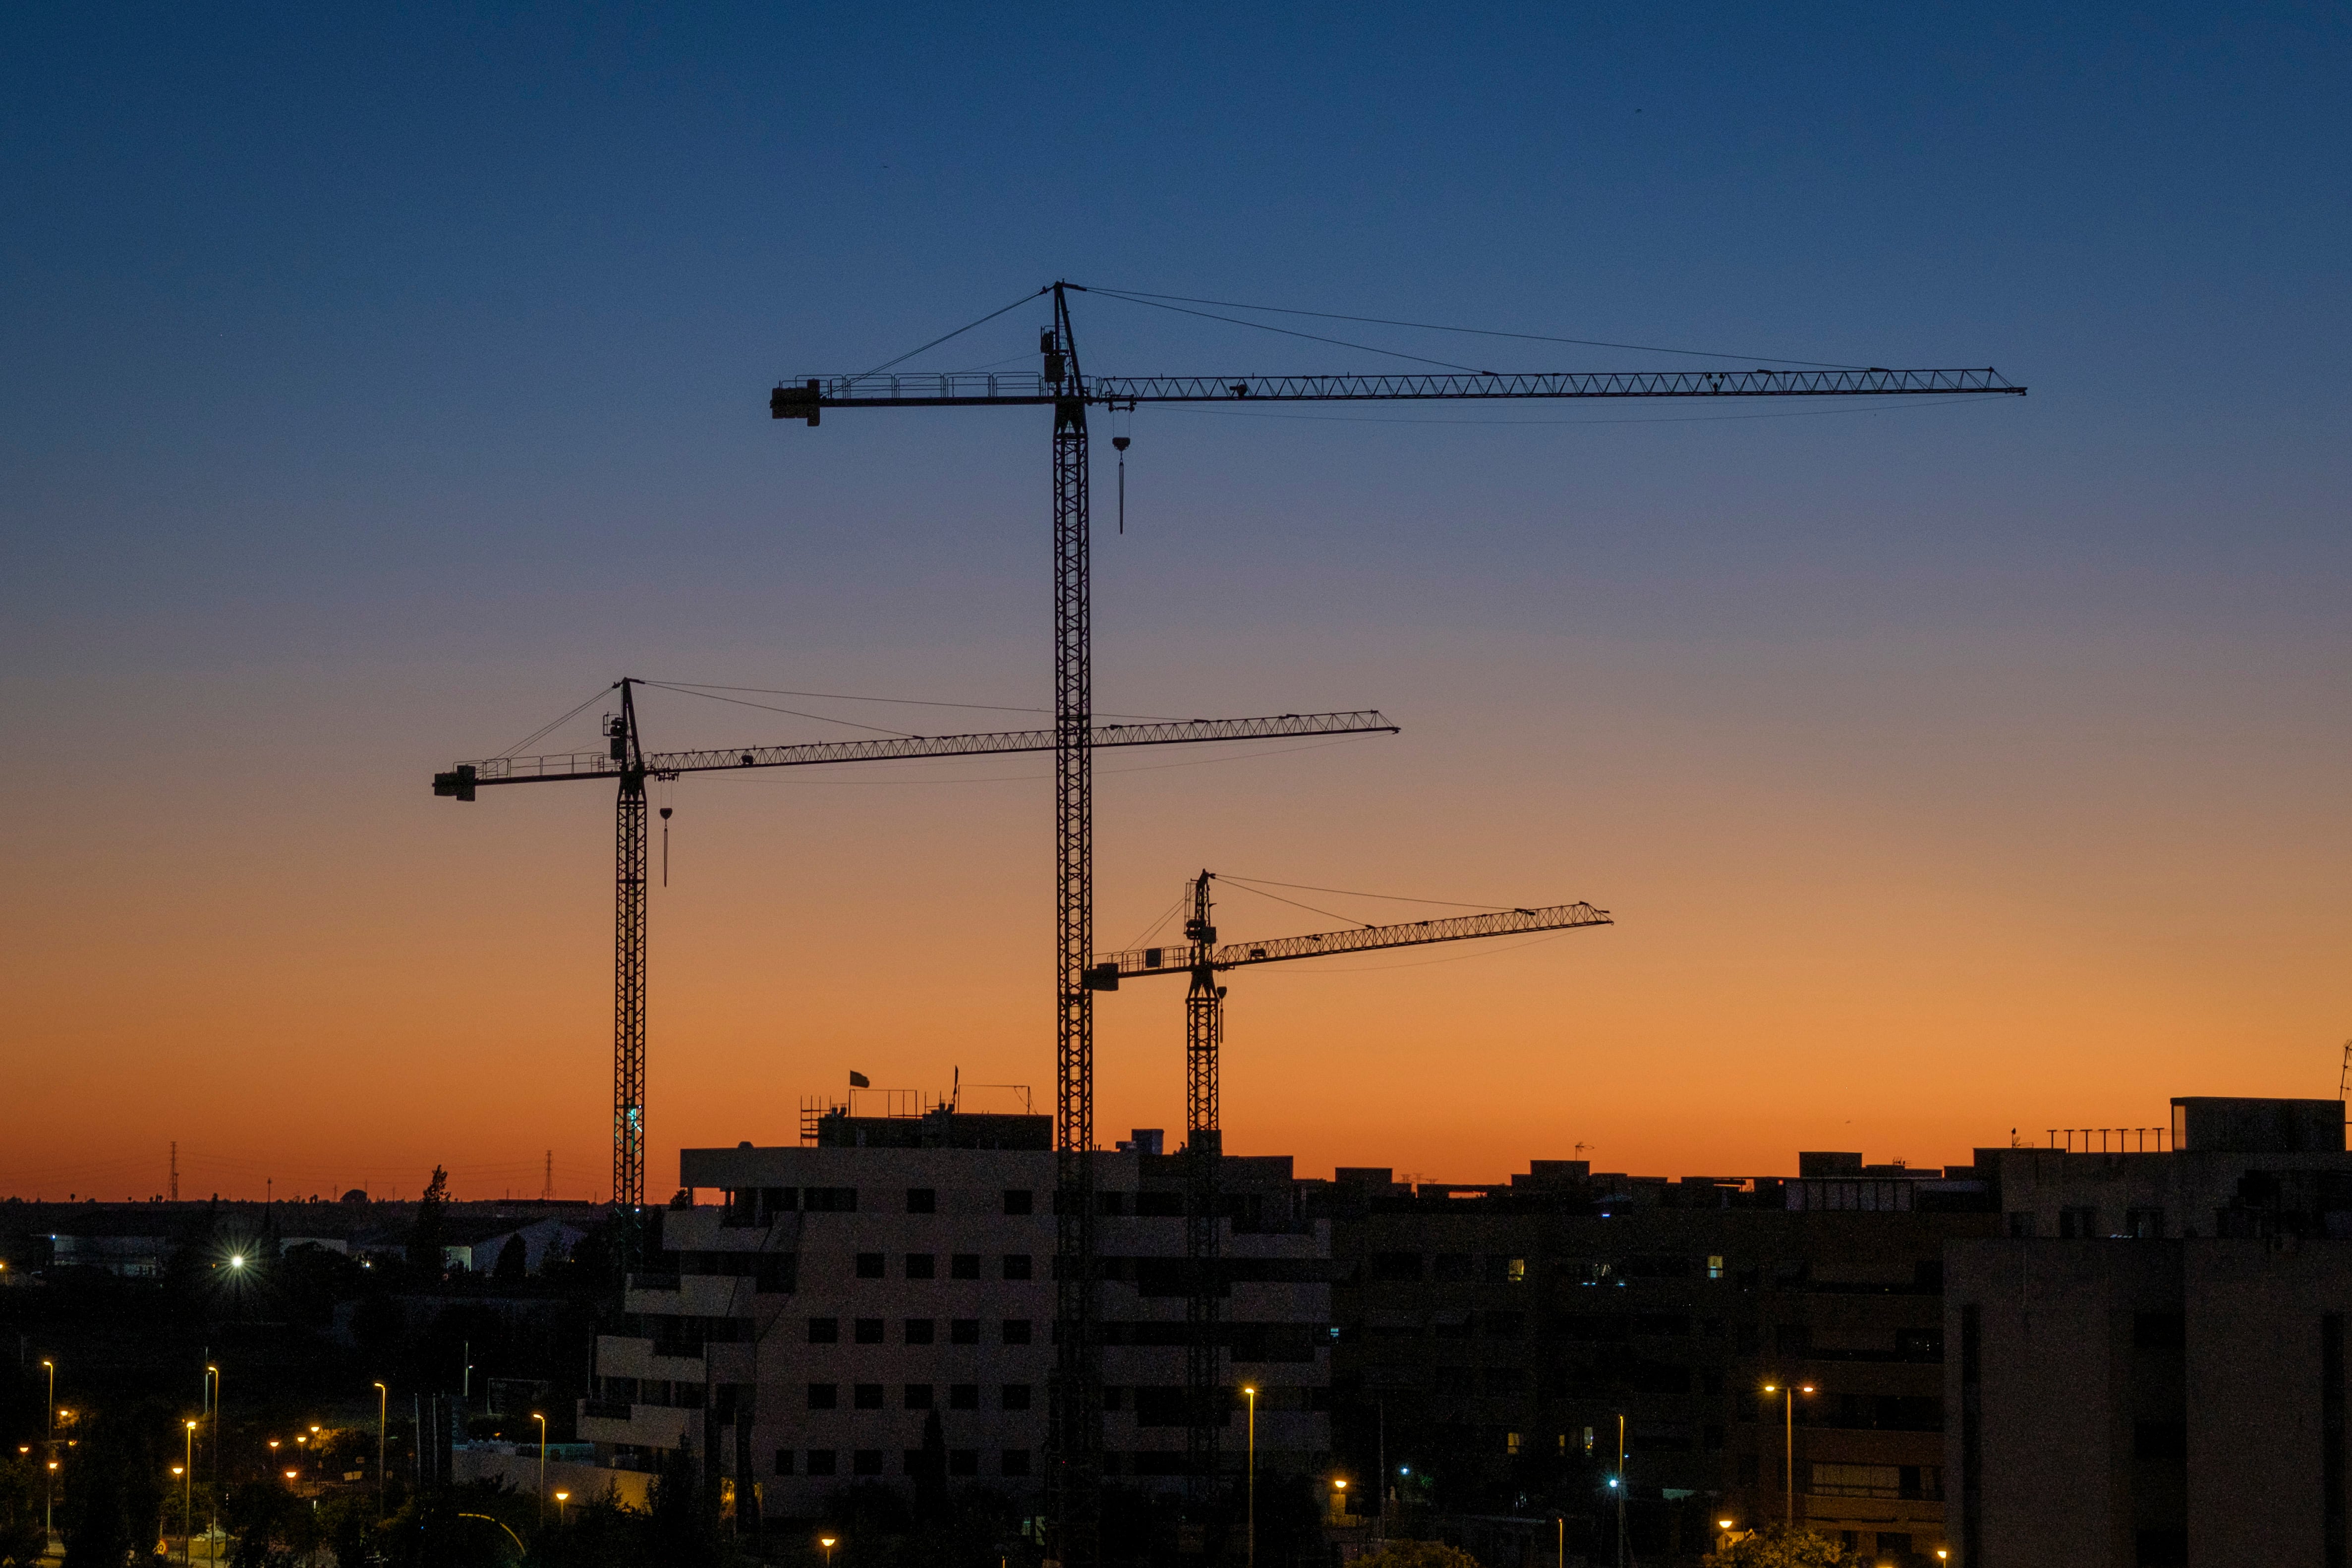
(1612, 1480)
(236, 1261)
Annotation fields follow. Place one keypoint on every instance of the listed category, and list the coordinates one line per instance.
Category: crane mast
(1075, 1458)
(629, 980)
(1205, 1026)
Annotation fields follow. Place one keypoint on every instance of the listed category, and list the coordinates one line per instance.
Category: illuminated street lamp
(1251, 1393)
(542, 1465)
(561, 1496)
(1788, 1445)
(382, 1395)
(827, 1541)
(188, 1499)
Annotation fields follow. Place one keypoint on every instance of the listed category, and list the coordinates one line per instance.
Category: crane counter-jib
(1178, 958)
(461, 780)
(800, 398)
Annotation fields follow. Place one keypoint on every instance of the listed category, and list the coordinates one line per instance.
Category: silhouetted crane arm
(803, 397)
(462, 781)
(1178, 958)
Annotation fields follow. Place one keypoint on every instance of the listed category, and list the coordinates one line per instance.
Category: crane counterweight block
(458, 782)
(789, 402)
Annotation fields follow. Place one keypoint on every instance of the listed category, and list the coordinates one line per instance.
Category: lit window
(1715, 1266)
(1517, 1271)
(1510, 1442)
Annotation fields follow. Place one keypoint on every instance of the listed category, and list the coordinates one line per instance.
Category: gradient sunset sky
(384, 381)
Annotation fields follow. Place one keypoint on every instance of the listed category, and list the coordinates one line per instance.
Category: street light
(382, 1395)
(1789, 1444)
(1252, 1394)
(211, 1497)
(542, 1465)
(561, 1496)
(827, 1541)
(188, 1499)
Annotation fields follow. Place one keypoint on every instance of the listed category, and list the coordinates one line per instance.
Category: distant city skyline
(386, 385)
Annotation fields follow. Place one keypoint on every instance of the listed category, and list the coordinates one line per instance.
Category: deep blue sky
(382, 381)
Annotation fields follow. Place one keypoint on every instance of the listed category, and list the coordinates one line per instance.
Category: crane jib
(1182, 958)
(802, 398)
(462, 781)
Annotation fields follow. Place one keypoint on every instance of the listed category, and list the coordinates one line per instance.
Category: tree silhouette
(426, 1239)
(513, 1261)
(1780, 1546)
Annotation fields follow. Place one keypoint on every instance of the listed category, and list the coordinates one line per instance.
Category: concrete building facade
(844, 1305)
(2147, 1368)
(1492, 1338)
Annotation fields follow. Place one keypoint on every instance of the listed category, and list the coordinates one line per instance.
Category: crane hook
(665, 816)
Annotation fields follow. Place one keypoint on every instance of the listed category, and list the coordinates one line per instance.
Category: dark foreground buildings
(2041, 1357)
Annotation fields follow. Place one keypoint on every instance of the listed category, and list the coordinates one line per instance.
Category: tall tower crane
(626, 761)
(1202, 961)
(1075, 1475)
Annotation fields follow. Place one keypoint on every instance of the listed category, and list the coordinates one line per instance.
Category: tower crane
(1202, 961)
(1075, 1474)
(626, 761)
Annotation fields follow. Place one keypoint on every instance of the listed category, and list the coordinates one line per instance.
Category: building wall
(1470, 1322)
(2144, 1403)
(840, 1328)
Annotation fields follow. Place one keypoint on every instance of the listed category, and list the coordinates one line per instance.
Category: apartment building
(1492, 1337)
(879, 1306)
(2148, 1367)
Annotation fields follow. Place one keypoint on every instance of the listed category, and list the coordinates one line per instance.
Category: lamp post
(542, 1465)
(827, 1541)
(1788, 1394)
(1251, 1508)
(49, 1452)
(382, 1397)
(561, 1496)
(211, 1497)
(1623, 1555)
(188, 1499)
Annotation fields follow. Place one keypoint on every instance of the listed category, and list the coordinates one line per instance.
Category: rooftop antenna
(2343, 1077)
